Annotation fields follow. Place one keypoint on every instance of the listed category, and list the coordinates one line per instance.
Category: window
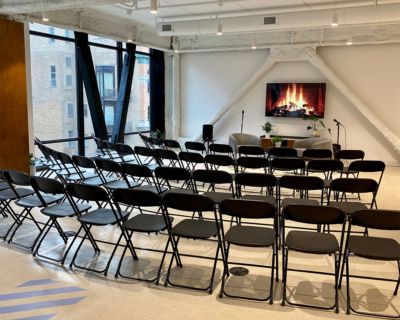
(69, 80)
(85, 110)
(53, 76)
(86, 141)
(70, 109)
(106, 81)
(51, 31)
(70, 143)
(68, 33)
(68, 62)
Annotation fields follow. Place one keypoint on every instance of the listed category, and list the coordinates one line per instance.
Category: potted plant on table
(32, 163)
(316, 123)
(158, 134)
(267, 127)
(277, 141)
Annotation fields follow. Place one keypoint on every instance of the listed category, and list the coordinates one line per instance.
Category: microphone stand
(338, 128)
(241, 129)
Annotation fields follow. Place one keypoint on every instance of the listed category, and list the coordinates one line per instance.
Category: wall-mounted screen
(295, 100)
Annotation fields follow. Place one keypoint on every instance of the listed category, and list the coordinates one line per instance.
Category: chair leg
(215, 265)
(342, 270)
(271, 291)
(347, 284)
(44, 232)
(170, 264)
(284, 276)
(337, 267)
(398, 281)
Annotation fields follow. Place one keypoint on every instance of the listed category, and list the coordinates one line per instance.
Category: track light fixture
(45, 16)
(153, 6)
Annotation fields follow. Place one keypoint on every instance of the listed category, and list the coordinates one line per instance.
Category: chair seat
(4, 186)
(312, 242)
(34, 201)
(218, 197)
(151, 188)
(291, 201)
(250, 236)
(64, 172)
(10, 195)
(195, 229)
(75, 176)
(121, 184)
(96, 181)
(101, 217)
(146, 223)
(154, 166)
(348, 207)
(64, 209)
(268, 199)
(375, 248)
(176, 190)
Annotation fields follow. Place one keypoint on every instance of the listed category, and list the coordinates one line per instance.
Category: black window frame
(81, 138)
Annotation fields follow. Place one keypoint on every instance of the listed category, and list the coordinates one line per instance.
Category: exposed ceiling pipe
(314, 19)
(375, 5)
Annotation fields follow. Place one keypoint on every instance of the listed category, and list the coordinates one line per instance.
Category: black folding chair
(191, 159)
(195, 146)
(327, 167)
(312, 243)
(165, 175)
(252, 163)
(168, 155)
(143, 223)
(344, 186)
(145, 139)
(251, 151)
(280, 152)
(298, 166)
(368, 166)
(349, 155)
(17, 178)
(226, 149)
(249, 236)
(87, 163)
(192, 229)
(126, 153)
(142, 174)
(313, 154)
(98, 217)
(156, 143)
(68, 208)
(257, 180)
(149, 155)
(172, 144)
(215, 161)
(372, 248)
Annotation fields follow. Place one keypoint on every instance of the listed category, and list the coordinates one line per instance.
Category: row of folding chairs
(58, 201)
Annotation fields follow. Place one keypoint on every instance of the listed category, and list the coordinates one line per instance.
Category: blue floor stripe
(44, 317)
(40, 305)
(37, 282)
(38, 293)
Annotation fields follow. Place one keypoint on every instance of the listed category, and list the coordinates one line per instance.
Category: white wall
(208, 80)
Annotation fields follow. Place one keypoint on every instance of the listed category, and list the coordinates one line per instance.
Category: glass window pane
(57, 31)
(138, 48)
(102, 40)
(54, 103)
(138, 113)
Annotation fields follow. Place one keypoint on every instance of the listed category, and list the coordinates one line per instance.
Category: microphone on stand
(338, 122)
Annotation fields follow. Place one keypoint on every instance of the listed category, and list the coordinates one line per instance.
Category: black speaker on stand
(208, 132)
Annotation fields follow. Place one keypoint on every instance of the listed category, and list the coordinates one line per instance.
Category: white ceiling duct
(283, 21)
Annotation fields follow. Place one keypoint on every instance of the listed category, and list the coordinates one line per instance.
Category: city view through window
(54, 90)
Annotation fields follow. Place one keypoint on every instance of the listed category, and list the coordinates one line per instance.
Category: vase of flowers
(267, 127)
(277, 141)
(316, 123)
(32, 164)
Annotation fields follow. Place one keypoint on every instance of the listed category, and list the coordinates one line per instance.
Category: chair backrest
(156, 141)
(247, 209)
(188, 202)
(136, 170)
(87, 192)
(145, 152)
(124, 149)
(166, 154)
(367, 166)
(192, 157)
(301, 183)
(350, 154)
(288, 164)
(325, 165)
(219, 160)
(193, 145)
(215, 176)
(47, 185)
(253, 162)
(65, 158)
(137, 198)
(169, 143)
(317, 154)
(17, 178)
(377, 219)
(354, 185)
(251, 151)
(220, 148)
(109, 145)
(256, 179)
(108, 165)
(84, 162)
(282, 152)
(145, 139)
(313, 214)
(173, 173)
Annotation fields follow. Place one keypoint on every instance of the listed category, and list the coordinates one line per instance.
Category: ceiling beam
(15, 6)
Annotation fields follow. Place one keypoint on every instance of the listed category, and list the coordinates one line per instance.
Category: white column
(176, 115)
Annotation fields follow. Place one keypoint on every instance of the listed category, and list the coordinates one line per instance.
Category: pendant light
(129, 35)
(219, 29)
(350, 40)
(254, 45)
(153, 6)
(335, 18)
(45, 16)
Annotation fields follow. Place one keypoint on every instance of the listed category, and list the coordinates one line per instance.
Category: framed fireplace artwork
(295, 100)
